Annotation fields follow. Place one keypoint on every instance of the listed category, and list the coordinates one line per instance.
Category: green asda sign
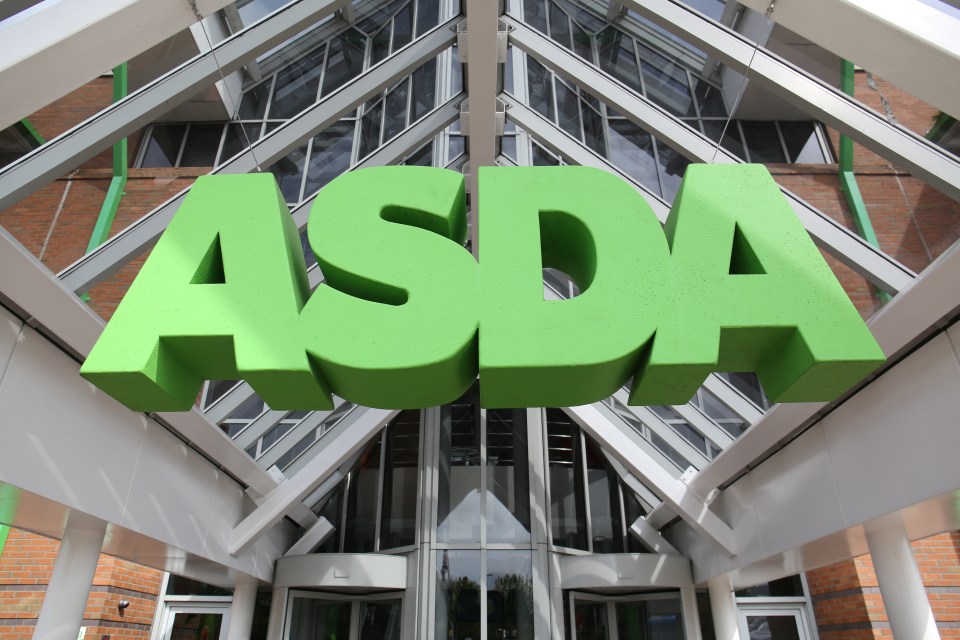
(407, 317)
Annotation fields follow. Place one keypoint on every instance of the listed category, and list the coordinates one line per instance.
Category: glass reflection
(508, 486)
(312, 618)
(590, 621)
(660, 619)
(509, 595)
(399, 512)
(380, 620)
(361, 521)
(458, 595)
(458, 491)
(567, 511)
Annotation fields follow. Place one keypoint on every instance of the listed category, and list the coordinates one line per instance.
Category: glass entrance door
(655, 616)
(321, 616)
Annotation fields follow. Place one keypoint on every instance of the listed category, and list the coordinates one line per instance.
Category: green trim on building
(28, 130)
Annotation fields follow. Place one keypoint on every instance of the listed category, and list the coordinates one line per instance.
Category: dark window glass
(370, 131)
(216, 389)
(456, 147)
(249, 409)
(289, 173)
(202, 144)
(509, 595)
(312, 618)
(380, 47)
(772, 627)
(605, 518)
(395, 111)
(582, 43)
(540, 87)
(590, 621)
(732, 141)
(345, 60)
(632, 511)
(380, 620)
(296, 87)
(332, 510)
(568, 110)
(559, 26)
(164, 145)
(508, 71)
(660, 619)
(543, 158)
(423, 157)
(15, 142)
(567, 512)
(238, 138)
(428, 15)
(802, 142)
(274, 434)
(181, 586)
(458, 595)
(308, 255)
(424, 90)
(456, 78)
(364, 483)
(762, 141)
(666, 83)
(617, 57)
(535, 14)
(458, 499)
(710, 100)
(671, 165)
(714, 129)
(631, 149)
(593, 130)
(253, 105)
(508, 147)
(399, 518)
(330, 156)
(380, 16)
(403, 28)
(508, 484)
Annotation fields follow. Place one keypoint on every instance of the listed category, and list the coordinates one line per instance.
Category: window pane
(253, 105)
(428, 15)
(605, 518)
(379, 620)
(671, 165)
(297, 86)
(364, 484)
(289, 173)
(590, 621)
(535, 14)
(403, 28)
(559, 26)
(540, 88)
(196, 626)
(660, 619)
(773, 627)
(331, 155)
(508, 147)
(345, 61)
(542, 157)
(423, 157)
(593, 129)
(202, 144)
(312, 618)
(395, 111)
(631, 149)
(732, 141)
(456, 147)
(370, 131)
(380, 47)
(632, 511)
(458, 510)
(617, 57)
(802, 142)
(568, 110)
(399, 517)
(238, 138)
(710, 100)
(666, 83)
(424, 89)
(509, 595)
(762, 141)
(332, 510)
(788, 587)
(164, 145)
(508, 485)
(458, 595)
(567, 512)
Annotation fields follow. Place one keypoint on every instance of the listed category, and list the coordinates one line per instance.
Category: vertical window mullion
(743, 140)
(582, 455)
(378, 521)
(783, 143)
(183, 144)
(223, 138)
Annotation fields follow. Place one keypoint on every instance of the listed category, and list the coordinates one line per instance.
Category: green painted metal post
(848, 180)
(111, 203)
(28, 130)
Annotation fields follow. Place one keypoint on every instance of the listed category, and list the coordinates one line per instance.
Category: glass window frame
(355, 602)
(611, 601)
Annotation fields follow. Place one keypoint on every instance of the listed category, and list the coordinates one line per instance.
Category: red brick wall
(26, 564)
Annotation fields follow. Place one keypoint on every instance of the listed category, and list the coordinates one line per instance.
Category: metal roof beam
(61, 46)
(908, 150)
(90, 137)
(136, 238)
(842, 243)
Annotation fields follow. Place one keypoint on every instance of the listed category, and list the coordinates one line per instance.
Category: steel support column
(691, 615)
(241, 611)
(66, 597)
(724, 608)
(482, 87)
(901, 586)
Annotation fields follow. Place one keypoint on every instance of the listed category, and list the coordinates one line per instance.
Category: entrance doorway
(200, 621)
(324, 616)
(652, 616)
(765, 622)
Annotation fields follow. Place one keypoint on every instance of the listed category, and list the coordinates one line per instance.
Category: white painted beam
(344, 440)
(311, 539)
(641, 465)
(908, 42)
(63, 45)
(652, 538)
